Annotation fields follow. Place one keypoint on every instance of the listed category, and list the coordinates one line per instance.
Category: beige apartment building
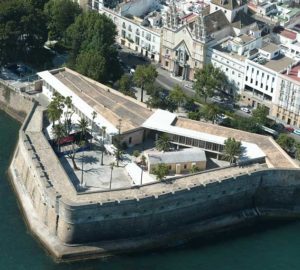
(286, 109)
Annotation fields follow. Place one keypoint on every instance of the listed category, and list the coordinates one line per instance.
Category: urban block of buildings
(255, 43)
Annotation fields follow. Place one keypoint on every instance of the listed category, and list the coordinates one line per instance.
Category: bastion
(75, 225)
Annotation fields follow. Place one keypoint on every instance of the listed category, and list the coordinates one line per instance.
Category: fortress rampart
(123, 220)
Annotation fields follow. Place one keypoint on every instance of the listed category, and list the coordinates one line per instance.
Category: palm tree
(53, 112)
(83, 126)
(103, 128)
(232, 150)
(103, 132)
(94, 115)
(68, 114)
(55, 108)
(59, 132)
(163, 143)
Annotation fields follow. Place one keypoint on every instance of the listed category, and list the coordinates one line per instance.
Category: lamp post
(82, 157)
(111, 170)
(142, 176)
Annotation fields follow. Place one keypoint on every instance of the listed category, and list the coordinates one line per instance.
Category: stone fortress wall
(232, 194)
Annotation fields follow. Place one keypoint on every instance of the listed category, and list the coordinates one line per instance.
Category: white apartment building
(262, 74)
(141, 35)
(230, 54)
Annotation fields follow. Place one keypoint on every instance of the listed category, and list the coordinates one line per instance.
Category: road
(130, 59)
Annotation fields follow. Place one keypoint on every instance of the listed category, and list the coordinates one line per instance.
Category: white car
(245, 109)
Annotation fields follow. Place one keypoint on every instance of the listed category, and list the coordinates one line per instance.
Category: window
(256, 82)
(232, 72)
(130, 140)
(166, 63)
(246, 78)
(251, 81)
(184, 166)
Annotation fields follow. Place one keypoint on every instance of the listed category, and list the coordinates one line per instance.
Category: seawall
(76, 226)
(14, 104)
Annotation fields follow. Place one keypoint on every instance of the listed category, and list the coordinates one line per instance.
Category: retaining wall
(265, 192)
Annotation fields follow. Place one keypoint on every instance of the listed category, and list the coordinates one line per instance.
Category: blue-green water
(265, 247)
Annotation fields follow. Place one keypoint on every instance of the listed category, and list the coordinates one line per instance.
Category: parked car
(296, 131)
(245, 109)
(289, 129)
(217, 99)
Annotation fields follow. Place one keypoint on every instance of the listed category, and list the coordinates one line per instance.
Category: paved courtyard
(94, 175)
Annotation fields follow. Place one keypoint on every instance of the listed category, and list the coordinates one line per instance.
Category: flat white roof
(163, 121)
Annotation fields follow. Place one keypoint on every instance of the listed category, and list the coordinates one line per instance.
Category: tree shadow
(87, 159)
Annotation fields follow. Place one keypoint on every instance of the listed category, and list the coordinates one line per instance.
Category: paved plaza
(94, 175)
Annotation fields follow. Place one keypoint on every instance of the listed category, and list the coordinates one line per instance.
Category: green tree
(197, 115)
(144, 74)
(136, 153)
(260, 114)
(194, 169)
(92, 64)
(160, 171)
(232, 149)
(125, 84)
(210, 112)
(68, 114)
(60, 14)
(59, 132)
(23, 31)
(83, 127)
(208, 80)
(163, 143)
(91, 39)
(297, 156)
(286, 142)
(55, 108)
(177, 95)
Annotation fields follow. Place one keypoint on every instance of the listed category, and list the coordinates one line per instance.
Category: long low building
(114, 110)
(139, 122)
